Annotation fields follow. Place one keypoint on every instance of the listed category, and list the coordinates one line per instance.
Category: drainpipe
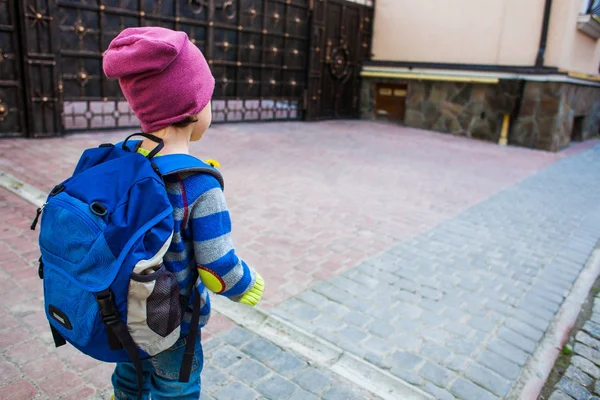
(539, 62)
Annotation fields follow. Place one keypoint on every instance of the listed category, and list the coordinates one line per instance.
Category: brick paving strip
(460, 310)
(243, 365)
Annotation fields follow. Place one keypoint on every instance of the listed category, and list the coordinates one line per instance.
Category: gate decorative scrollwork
(51, 77)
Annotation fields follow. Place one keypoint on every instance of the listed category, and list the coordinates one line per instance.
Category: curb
(536, 371)
(280, 332)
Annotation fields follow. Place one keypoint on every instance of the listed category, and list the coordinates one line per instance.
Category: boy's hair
(188, 120)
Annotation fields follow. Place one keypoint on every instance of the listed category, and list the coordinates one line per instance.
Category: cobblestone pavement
(238, 364)
(458, 310)
(446, 277)
(311, 200)
(581, 380)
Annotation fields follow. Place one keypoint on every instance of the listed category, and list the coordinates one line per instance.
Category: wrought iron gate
(341, 42)
(272, 59)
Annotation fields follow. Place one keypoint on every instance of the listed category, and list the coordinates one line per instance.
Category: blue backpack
(104, 233)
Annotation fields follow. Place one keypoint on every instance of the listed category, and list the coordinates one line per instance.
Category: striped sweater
(202, 239)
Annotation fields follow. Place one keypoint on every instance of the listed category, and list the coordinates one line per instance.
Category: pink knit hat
(163, 75)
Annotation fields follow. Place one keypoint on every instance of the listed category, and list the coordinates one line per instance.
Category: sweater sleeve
(221, 270)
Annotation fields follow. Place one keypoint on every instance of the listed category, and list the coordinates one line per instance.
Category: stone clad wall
(548, 111)
(544, 121)
(465, 109)
(472, 110)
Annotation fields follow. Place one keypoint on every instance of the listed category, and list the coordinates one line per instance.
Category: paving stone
(378, 359)
(375, 344)
(466, 390)
(488, 379)
(352, 334)
(586, 366)
(406, 376)
(462, 346)
(436, 374)
(482, 324)
(261, 349)
(249, 371)
(592, 328)
(517, 340)
(578, 376)
(524, 329)
(235, 390)
(437, 393)
(558, 395)
(213, 378)
(357, 318)
(341, 393)
(276, 387)
(314, 299)
(305, 312)
(458, 363)
(587, 340)
(508, 351)
(381, 329)
(302, 395)
(237, 336)
(405, 360)
(285, 363)
(499, 364)
(312, 380)
(587, 352)
(435, 352)
(226, 356)
(573, 389)
(458, 328)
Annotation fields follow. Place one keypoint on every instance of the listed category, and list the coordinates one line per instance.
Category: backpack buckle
(108, 310)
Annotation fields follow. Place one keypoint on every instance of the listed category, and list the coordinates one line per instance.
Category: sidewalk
(238, 365)
(437, 260)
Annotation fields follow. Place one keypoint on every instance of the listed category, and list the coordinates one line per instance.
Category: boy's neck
(174, 143)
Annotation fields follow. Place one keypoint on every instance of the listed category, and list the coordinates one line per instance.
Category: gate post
(316, 36)
(39, 48)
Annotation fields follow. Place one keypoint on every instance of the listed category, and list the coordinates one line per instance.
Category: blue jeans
(161, 376)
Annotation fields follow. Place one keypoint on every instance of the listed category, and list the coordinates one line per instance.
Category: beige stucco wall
(502, 32)
(458, 31)
(569, 48)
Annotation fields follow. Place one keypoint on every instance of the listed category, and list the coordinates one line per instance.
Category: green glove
(253, 296)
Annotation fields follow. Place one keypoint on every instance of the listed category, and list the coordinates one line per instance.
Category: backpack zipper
(56, 190)
(37, 216)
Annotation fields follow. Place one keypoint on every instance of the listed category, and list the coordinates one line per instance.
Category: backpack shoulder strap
(179, 163)
(184, 163)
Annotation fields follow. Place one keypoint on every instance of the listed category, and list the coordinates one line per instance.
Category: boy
(168, 84)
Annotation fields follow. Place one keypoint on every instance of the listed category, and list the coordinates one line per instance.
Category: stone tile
(312, 380)
(466, 390)
(438, 393)
(339, 393)
(436, 374)
(285, 363)
(488, 379)
(276, 387)
(573, 389)
(249, 371)
(261, 349)
(578, 376)
(586, 366)
(499, 364)
(235, 390)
